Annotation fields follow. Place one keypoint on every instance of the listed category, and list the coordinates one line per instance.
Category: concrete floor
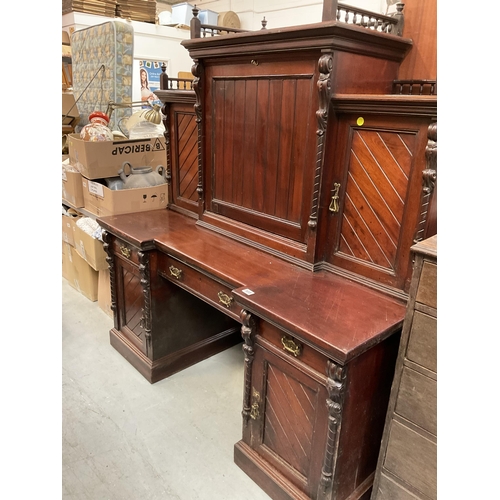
(125, 439)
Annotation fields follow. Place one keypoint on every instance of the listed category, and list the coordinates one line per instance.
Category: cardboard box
(68, 227)
(72, 190)
(98, 160)
(70, 113)
(67, 262)
(83, 277)
(104, 292)
(90, 249)
(101, 201)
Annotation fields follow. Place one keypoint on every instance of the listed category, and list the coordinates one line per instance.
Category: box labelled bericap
(102, 159)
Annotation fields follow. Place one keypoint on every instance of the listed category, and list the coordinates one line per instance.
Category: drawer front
(202, 285)
(413, 458)
(126, 250)
(422, 344)
(292, 348)
(427, 286)
(389, 489)
(417, 400)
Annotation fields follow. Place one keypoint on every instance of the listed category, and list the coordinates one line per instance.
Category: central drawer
(203, 285)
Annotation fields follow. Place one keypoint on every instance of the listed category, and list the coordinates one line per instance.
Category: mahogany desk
(320, 349)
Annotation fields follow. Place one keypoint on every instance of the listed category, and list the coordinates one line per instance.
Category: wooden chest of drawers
(407, 463)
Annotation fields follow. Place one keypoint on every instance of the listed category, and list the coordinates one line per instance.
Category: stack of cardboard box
(98, 161)
(84, 262)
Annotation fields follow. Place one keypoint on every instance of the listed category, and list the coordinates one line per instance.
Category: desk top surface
(338, 316)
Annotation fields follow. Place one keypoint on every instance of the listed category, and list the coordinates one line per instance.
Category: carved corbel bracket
(325, 66)
(106, 238)
(197, 70)
(335, 385)
(247, 332)
(146, 291)
(429, 178)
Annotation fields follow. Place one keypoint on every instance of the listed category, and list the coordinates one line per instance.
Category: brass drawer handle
(225, 299)
(290, 346)
(176, 273)
(125, 251)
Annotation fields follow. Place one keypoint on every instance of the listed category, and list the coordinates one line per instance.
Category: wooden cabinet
(373, 187)
(304, 152)
(407, 466)
(311, 427)
(151, 327)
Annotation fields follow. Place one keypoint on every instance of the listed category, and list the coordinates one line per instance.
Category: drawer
(203, 285)
(291, 347)
(125, 250)
(389, 489)
(417, 400)
(427, 286)
(422, 344)
(412, 458)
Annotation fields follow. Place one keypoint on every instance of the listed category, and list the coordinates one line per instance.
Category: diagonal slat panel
(187, 156)
(375, 196)
(288, 428)
(133, 301)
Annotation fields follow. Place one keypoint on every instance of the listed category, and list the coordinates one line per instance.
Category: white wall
(280, 13)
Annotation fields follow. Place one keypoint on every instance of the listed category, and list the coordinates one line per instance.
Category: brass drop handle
(176, 273)
(290, 346)
(125, 251)
(225, 299)
(334, 204)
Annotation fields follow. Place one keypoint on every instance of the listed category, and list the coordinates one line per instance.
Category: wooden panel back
(261, 148)
(421, 27)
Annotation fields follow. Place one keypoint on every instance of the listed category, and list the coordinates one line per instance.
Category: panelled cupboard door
(184, 155)
(374, 195)
(261, 141)
(289, 420)
(130, 300)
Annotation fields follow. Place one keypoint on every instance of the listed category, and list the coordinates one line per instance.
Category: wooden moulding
(331, 35)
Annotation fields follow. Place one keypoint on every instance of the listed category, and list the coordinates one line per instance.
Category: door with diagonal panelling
(374, 195)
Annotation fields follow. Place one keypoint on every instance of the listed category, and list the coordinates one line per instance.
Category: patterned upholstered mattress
(109, 46)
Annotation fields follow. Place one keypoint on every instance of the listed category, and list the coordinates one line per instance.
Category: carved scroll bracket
(325, 66)
(335, 386)
(247, 332)
(197, 70)
(429, 178)
(106, 238)
(146, 290)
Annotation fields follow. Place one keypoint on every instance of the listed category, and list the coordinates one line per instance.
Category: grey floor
(125, 439)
